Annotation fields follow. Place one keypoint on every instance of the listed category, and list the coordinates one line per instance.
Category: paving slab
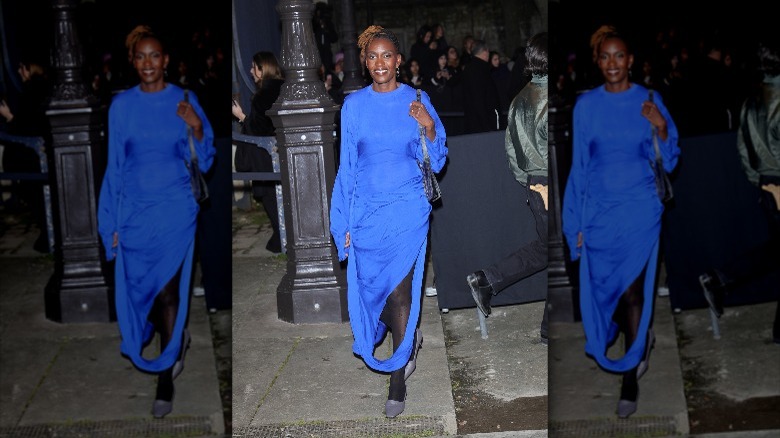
(583, 397)
(70, 379)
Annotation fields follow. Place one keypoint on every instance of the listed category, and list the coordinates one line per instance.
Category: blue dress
(610, 197)
(378, 198)
(146, 198)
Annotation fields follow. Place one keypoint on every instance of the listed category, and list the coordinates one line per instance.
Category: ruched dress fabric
(378, 198)
(611, 198)
(146, 198)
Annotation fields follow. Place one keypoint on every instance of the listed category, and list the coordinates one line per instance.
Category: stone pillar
(353, 69)
(78, 291)
(313, 290)
(561, 293)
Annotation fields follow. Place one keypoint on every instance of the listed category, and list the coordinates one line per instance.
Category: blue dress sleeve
(670, 151)
(437, 149)
(111, 187)
(204, 147)
(574, 194)
(341, 199)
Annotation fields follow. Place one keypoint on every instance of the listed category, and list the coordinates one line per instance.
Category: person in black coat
(481, 104)
(249, 158)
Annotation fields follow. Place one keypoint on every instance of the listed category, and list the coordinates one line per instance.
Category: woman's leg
(164, 310)
(629, 313)
(395, 315)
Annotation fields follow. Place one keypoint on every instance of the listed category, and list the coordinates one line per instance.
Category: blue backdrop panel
(715, 216)
(482, 217)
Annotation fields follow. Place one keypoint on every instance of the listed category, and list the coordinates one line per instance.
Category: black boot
(481, 290)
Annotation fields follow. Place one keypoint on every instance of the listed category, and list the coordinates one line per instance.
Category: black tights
(628, 315)
(395, 316)
(163, 316)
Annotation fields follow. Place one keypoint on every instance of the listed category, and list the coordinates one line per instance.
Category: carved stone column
(561, 292)
(353, 69)
(313, 290)
(78, 291)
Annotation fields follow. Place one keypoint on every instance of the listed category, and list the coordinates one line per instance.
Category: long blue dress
(146, 198)
(611, 198)
(378, 198)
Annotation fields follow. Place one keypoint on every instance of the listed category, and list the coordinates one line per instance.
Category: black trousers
(531, 257)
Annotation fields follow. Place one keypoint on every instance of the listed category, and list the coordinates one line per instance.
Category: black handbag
(663, 185)
(200, 190)
(430, 183)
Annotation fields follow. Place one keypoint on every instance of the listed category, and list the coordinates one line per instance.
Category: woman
(147, 213)
(611, 212)
(268, 78)
(379, 212)
(443, 73)
(413, 75)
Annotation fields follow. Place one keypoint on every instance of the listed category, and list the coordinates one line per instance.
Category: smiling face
(382, 60)
(614, 61)
(150, 62)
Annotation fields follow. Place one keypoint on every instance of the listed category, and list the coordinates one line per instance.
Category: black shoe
(480, 290)
(274, 243)
(714, 291)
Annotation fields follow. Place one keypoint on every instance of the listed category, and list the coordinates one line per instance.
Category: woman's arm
(426, 115)
(658, 116)
(110, 189)
(574, 192)
(341, 199)
(203, 133)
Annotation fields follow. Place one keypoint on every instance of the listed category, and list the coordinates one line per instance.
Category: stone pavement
(302, 380)
(70, 380)
(695, 385)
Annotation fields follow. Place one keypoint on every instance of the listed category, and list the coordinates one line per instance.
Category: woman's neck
(384, 88)
(154, 87)
(617, 87)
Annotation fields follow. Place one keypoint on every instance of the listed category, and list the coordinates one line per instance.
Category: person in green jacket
(526, 148)
(758, 143)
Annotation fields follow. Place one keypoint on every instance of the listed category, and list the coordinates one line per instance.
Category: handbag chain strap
(654, 130)
(193, 155)
(422, 135)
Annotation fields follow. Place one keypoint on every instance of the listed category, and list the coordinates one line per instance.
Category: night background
(102, 25)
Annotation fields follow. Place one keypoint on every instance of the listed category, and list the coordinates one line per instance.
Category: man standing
(526, 148)
(480, 95)
(758, 142)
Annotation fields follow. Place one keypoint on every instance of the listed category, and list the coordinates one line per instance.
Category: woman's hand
(579, 239)
(115, 243)
(418, 111)
(191, 118)
(653, 115)
(542, 190)
(347, 241)
(6, 112)
(238, 112)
